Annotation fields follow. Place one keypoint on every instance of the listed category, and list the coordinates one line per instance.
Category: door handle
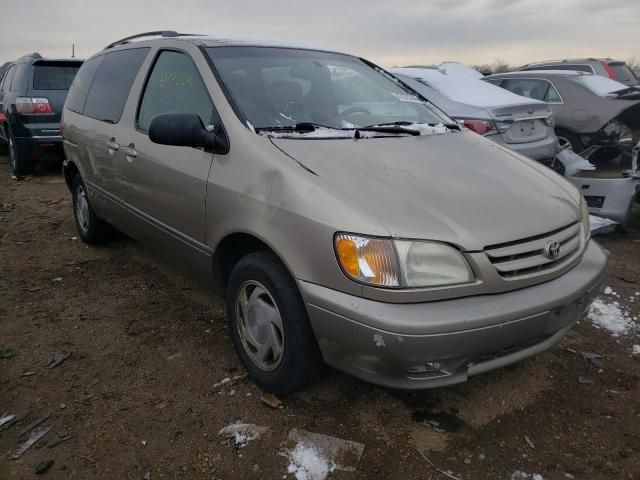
(112, 146)
(130, 151)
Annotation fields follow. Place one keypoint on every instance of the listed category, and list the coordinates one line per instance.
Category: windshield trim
(246, 122)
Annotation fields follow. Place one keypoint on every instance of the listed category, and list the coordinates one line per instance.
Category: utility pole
(73, 50)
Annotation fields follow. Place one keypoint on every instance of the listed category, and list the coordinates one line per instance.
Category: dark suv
(32, 93)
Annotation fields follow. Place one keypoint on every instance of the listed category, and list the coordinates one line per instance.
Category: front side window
(282, 87)
(110, 88)
(174, 86)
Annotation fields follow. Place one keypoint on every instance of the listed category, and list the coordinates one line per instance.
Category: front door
(166, 184)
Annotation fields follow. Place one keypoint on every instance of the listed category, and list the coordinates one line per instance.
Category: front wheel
(91, 229)
(269, 326)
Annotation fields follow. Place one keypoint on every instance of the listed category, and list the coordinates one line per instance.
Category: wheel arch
(231, 249)
(70, 170)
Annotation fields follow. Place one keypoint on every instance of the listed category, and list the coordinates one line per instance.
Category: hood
(457, 188)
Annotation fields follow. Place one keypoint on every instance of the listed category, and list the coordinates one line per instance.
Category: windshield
(281, 87)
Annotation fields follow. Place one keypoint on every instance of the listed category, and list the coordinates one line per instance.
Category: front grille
(526, 257)
(594, 201)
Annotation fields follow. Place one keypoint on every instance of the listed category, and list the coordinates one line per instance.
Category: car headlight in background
(385, 262)
(586, 225)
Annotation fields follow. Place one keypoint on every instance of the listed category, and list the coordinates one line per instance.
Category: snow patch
(349, 131)
(635, 350)
(378, 339)
(611, 317)
(601, 86)
(601, 225)
(308, 464)
(242, 433)
(461, 87)
(518, 475)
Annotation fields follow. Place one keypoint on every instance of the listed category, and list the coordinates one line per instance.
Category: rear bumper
(459, 338)
(40, 147)
(540, 150)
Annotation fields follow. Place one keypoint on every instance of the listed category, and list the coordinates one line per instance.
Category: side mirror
(178, 129)
(187, 130)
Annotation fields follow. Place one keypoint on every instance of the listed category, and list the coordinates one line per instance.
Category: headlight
(586, 225)
(400, 263)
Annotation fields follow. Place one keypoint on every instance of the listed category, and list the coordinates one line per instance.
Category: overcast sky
(389, 33)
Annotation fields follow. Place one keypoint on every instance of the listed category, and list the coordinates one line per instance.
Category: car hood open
(457, 188)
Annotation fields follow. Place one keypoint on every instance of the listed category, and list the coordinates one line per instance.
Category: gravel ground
(137, 399)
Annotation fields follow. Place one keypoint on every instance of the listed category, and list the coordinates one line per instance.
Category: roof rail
(157, 33)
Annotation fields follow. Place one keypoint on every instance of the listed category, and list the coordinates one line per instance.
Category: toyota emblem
(552, 250)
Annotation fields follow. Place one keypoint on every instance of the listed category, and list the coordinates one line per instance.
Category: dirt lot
(138, 399)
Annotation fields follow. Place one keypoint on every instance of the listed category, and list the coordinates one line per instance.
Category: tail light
(609, 70)
(33, 105)
(481, 127)
(487, 127)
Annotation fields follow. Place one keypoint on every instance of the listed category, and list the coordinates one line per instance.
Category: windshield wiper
(301, 127)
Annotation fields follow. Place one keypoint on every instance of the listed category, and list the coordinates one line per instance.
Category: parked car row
(591, 115)
(347, 219)
(605, 67)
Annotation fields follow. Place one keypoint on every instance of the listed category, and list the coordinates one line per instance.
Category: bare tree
(500, 66)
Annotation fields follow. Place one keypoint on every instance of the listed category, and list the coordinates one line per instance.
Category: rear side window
(537, 89)
(54, 75)
(6, 84)
(622, 72)
(572, 67)
(112, 83)
(82, 83)
(174, 86)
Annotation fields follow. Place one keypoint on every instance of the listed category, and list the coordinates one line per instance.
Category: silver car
(597, 118)
(347, 221)
(519, 123)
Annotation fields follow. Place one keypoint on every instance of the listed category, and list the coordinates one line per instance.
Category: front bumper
(426, 345)
(609, 197)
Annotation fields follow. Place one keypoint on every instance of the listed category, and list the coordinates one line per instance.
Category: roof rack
(157, 33)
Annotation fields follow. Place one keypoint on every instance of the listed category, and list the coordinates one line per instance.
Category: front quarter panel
(258, 190)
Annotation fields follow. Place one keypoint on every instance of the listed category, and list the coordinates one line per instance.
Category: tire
(291, 359)
(20, 164)
(91, 229)
(570, 140)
